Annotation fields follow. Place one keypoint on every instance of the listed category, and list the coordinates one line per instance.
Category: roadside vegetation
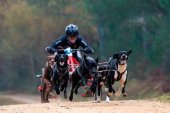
(143, 26)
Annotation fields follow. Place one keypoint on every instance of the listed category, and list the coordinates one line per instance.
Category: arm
(84, 45)
(51, 48)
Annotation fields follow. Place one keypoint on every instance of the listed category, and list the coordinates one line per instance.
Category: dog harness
(120, 75)
(60, 72)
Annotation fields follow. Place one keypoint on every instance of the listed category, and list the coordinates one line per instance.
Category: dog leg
(98, 99)
(65, 88)
(47, 92)
(46, 97)
(118, 93)
(57, 88)
(123, 90)
(74, 83)
(62, 87)
(99, 92)
(94, 86)
(76, 89)
(45, 100)
(65, 92)
(71, 94)
(108, 95)
(110, 82)
(43, 94)
(107, 99)
(56, 80)
(122, 84)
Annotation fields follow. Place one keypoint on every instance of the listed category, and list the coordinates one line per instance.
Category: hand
(88, 50)
(50, 50)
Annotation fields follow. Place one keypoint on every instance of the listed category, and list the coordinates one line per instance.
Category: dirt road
(126, 106)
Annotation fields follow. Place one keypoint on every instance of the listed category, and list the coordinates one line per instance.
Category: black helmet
(71, 30)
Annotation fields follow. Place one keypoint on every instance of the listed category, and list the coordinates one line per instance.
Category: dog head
(61, 60)
(91, 64)
(122, 56)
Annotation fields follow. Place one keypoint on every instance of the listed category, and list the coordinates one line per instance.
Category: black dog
(114, 70)
(86, 70)
(118, 72)
(100, 80)
(61, 74)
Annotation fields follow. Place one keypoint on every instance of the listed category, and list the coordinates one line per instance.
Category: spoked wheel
(88, 93)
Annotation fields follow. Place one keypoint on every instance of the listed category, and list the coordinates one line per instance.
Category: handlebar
(78, 50)
(39, 76)
(69, 50)
(73, 50)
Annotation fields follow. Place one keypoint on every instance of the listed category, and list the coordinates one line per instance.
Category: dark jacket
(64, 42)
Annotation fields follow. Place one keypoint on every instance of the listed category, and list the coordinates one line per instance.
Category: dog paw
(125, 94)
(109, 94)
(46, 101)
(76, 92)
(57, 92)
(65, 96)
(117, 93)
(42, 101)
(98, 99)
(70, 98)
(107, 99)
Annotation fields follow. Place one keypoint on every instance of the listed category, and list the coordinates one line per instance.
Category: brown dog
(47, 81)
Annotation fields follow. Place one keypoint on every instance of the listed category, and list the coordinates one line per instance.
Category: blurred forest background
(143, 26)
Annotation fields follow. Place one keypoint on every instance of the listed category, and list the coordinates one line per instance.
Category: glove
(88, 50)
(50, 50)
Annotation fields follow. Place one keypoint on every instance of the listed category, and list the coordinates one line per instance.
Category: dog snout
(62, 59)
(124, 57)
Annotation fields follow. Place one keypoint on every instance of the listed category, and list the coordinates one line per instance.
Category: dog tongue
(61, 63)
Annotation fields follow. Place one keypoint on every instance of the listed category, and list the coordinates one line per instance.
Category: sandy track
(27, 99)
(127, 106)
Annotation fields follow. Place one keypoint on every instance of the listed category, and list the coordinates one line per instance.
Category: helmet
(71, 30)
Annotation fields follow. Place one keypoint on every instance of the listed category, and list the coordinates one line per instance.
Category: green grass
(164, 98)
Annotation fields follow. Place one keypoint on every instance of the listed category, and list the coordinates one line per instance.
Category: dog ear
(115, 56)
(129, 52)
(49, 57)
(56, 56)
(66, 56)
(97, 60)
(85, 57)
